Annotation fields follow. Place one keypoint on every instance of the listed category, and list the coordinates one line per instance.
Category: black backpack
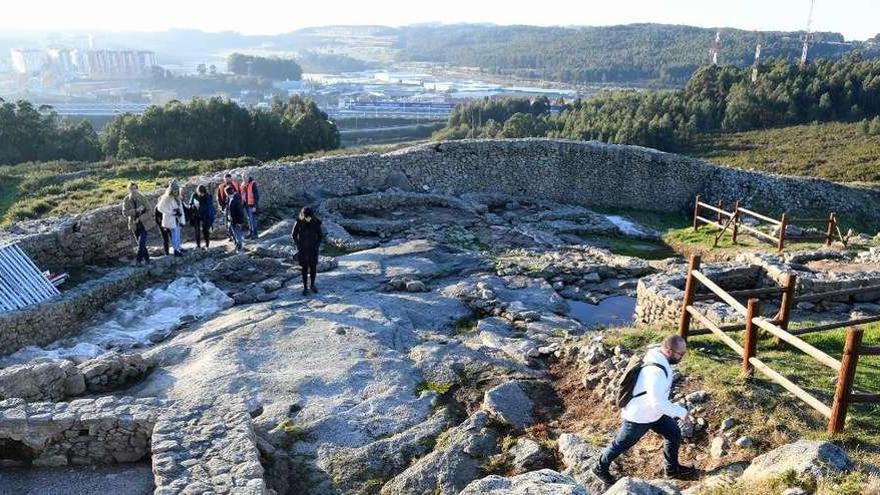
(628, 382)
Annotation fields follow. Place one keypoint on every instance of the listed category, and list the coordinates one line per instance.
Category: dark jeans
(630, 433)
(140, 233)
(203, 229)
(309, 269)
(252, 220)
(166, 238)
(235, 230)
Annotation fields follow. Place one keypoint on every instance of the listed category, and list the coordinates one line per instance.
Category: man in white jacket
(650, 409)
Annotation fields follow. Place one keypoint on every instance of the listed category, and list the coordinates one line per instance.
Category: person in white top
(651, 409)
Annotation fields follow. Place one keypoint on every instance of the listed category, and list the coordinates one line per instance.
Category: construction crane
(716, 47)
(757, 61)
(808, 35)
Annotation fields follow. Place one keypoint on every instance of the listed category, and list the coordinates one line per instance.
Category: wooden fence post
(684, 324)
(830, 234)
(750, 338)
(735, 220)
(696, 212)
(720, 207)
(848, 363)
(789, 280)
(783, 223)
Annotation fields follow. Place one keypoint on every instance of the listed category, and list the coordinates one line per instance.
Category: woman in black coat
(307, 235)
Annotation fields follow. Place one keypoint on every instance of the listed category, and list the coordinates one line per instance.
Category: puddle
(137, 320)
(612, 311)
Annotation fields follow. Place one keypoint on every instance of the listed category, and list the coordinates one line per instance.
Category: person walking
(235, 216)
(648, 408)
(170, 206)
(307, 235)
(250, 197)
(223, 200)
(203, 214)
(136, 208)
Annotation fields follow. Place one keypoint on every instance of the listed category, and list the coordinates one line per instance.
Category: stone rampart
(576, 172)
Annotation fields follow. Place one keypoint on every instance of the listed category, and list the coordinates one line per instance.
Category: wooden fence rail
(734, 224)
(778, 327)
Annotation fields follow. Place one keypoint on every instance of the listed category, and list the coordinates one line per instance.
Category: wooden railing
(732, 221)
(778, 327)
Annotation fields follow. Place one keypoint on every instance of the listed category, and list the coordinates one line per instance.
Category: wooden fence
(778, 327)
(732, 221)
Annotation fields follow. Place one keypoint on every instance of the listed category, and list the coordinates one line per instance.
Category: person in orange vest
(223, 201)
(250, 198)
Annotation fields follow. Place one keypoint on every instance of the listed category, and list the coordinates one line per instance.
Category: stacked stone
(574, 172)
(207, 448)
(60, 379)
(114, 370)
(575, 271)
(84, 431)
(660, 295)
(808, 281)
(47, 381)
(64, 315)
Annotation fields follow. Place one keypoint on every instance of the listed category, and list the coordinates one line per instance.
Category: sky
(856, 19)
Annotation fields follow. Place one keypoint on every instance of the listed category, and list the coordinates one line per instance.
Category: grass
(37, 190)
(47, 189)
(464, 325)
(440, 388)
(772, 414)
(836, 151)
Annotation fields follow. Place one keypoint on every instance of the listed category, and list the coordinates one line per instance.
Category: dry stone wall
(108, 430)
(65, 314)
(577, 172)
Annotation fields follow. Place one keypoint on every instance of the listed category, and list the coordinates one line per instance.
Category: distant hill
(627, 53)
(632, 53)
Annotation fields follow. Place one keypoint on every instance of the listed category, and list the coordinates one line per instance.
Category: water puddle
(610, 312)
(137, 320)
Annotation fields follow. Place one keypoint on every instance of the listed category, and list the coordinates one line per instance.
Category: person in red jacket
(250, 198)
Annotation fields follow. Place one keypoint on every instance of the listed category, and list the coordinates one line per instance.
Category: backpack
(628, 382)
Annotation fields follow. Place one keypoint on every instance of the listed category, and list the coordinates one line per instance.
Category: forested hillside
(716, 98)
(627, 53)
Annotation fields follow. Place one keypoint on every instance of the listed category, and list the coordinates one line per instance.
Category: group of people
(237, 201)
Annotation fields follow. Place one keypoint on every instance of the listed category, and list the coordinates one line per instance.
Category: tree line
(630, 53)
(274, 68)
(200, 129)
(715, 98)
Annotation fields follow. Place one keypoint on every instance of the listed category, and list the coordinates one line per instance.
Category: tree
(201, 69)
(268, 67)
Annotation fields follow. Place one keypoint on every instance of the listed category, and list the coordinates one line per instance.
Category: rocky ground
(441, 356)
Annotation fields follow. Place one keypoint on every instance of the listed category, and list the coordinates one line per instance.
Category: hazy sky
(856, 19)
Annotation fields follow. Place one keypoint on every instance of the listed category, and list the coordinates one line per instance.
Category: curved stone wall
(577, 172)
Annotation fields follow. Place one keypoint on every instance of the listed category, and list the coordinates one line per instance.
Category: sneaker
(680, 472)
(603, 475)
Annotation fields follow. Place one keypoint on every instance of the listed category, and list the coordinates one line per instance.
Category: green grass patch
(837, 151)
(767, 408)
(427, 386)
(464, 326)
